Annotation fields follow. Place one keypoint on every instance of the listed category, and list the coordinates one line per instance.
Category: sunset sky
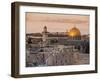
(56, 22)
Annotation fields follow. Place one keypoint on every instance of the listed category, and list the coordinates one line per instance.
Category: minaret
(45, 29)
(45, 34)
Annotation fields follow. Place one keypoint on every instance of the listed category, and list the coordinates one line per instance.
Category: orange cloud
(56, 22)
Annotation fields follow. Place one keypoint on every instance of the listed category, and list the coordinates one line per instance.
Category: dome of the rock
(74, 32)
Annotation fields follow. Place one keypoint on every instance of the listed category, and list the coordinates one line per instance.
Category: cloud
(76, 19)
(56, 22)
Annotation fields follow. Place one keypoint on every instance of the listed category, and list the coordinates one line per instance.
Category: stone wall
(52, 57)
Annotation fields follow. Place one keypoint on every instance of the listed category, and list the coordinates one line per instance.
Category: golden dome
(74, 32)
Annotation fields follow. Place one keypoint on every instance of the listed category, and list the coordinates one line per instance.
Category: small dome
(74, 32)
